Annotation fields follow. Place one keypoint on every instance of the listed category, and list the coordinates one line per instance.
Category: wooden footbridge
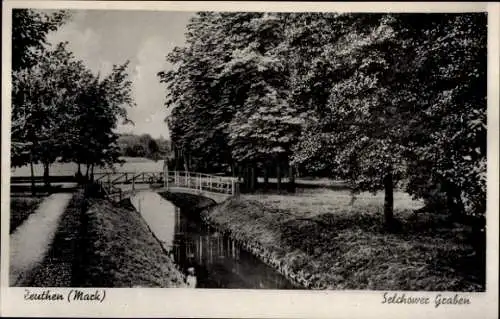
(118, 185)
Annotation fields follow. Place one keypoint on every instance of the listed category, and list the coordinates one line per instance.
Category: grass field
(332, 244)
(311, 202)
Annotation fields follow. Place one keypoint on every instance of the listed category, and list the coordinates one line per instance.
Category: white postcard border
(175, 302)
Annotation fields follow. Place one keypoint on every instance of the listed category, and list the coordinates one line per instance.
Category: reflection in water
(208, 258)
(218, 261)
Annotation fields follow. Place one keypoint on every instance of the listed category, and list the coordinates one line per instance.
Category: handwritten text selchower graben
(73, 295)
(439, 299)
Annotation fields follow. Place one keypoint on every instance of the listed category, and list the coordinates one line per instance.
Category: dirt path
(31, 241)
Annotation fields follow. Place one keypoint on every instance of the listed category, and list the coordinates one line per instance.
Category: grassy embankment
(120, 250)
(321, 240)
(21, 208)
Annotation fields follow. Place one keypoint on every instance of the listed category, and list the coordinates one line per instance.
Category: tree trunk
(291, 179)
(454, 201)
(78, 175)
(246, 179)
(46, 174)
(87, 171)
(278, 176)
(266, 177)
(253, 178)
(176, 158)
(186, 161)
(32, 170)
(238, 171)
(92, 172)
(389, 199)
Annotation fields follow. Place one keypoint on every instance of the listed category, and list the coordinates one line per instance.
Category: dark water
(218, 261)
(215, 259)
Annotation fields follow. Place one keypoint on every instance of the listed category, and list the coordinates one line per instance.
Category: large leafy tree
(202, 102)
(356, 133)
(229, 91)
(265, 125)
(448, 88)
(101, 104)
(406, 100)
(29, 33)
(43, 96)
(191, 95)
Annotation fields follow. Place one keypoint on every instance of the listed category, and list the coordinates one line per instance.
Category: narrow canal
(210, 259)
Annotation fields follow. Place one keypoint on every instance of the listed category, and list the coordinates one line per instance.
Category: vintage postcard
(250, 159)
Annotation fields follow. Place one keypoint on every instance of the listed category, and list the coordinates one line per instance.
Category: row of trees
(144, 146)
(380, 100)
(60, 109)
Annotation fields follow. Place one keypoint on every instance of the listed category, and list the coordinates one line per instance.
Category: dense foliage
(144, 146)
(380, 100)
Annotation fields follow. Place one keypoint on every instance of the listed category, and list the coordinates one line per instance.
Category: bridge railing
(129, 177)
(109, 181)
(202, 182)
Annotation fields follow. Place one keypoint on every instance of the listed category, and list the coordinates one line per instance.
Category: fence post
(133, 182)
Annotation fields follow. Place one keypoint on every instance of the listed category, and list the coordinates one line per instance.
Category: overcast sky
(103, 38)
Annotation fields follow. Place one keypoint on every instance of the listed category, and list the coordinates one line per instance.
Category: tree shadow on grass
(360, 242)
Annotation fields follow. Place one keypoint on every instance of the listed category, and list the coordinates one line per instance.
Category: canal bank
(236, 219)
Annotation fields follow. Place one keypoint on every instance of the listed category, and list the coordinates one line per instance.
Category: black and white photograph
(257, 150)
